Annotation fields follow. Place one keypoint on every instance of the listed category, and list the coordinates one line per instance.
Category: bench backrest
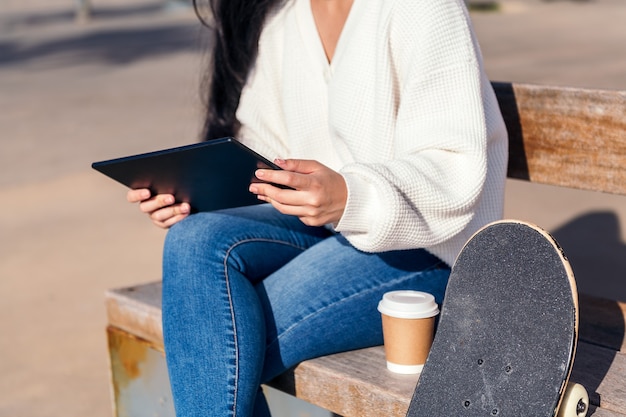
(566, 136)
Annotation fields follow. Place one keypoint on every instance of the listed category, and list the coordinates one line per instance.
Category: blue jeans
(250, 292)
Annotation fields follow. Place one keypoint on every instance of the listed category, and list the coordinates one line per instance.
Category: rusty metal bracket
(140, 384)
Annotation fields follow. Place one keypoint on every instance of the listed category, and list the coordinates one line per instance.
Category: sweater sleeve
(429, 190)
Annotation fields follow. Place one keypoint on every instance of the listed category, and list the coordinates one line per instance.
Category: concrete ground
(126, 82)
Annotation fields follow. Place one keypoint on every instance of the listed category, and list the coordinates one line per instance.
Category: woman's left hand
(318, 194)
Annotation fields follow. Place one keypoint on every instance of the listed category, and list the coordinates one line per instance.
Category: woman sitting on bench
(390, 136)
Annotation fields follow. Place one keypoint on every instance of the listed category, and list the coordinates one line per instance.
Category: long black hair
(235, 27)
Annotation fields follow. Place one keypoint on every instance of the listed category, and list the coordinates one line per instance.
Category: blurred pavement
(127, 82)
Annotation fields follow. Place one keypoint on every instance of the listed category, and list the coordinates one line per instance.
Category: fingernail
(279, 161)
(259, 173)
(169, 199)
(253, 189)
(184, 208)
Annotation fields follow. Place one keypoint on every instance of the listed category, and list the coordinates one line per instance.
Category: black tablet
(209, 175)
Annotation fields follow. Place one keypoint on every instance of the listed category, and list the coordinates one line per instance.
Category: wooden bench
(560, 136)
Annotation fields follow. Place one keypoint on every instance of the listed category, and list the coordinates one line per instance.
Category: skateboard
(507, 333)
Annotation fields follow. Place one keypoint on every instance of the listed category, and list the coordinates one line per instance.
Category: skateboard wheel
(575, 401)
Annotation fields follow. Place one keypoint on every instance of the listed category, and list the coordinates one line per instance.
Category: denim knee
(187, 231)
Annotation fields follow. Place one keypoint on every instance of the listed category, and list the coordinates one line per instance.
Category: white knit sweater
(404, 112)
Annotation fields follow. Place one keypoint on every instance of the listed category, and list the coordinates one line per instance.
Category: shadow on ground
(594, 247)
(39, 19)
(113, 46)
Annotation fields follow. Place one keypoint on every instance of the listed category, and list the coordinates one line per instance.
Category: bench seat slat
(599, 412)
(354, 383)
(332, 380)
(358, 384)
(137, 310)
(601, 371)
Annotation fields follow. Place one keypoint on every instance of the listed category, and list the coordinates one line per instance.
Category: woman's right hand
(160, 208)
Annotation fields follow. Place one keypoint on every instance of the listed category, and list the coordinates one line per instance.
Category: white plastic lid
(404, 369)
(408, 304)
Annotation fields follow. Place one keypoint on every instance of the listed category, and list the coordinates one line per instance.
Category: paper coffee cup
(408, 327)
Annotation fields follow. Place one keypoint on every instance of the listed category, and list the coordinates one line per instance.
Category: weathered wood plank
(566, 136)
(603, 372)
(137, 310)
(356, 384)
(599, 412)
(351, 384)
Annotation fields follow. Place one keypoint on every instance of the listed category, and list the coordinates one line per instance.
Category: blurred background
(76, 87)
